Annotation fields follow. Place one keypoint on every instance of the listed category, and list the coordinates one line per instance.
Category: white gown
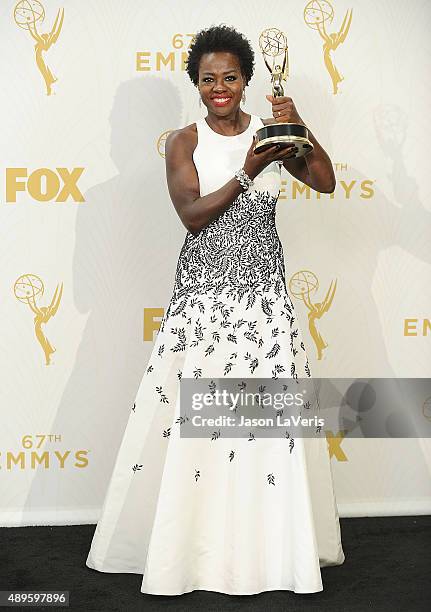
(232, 515)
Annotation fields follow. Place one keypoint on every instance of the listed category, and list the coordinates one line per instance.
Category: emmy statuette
(273, 44)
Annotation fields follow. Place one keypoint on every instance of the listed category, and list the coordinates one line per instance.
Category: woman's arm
(194, 211)
(197, 212)
(314, 169)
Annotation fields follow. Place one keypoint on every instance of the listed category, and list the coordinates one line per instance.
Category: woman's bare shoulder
(186, 137)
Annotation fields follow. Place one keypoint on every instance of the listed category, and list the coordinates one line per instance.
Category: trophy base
(283, 134)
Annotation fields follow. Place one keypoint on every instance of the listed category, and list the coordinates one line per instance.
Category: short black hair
(220, 38)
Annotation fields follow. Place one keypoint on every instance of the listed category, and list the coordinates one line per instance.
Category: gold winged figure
(43, 43)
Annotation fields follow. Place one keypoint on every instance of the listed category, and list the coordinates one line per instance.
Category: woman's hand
(256, 162)
(284, 110)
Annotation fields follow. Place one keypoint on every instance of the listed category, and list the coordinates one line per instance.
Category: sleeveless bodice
(238, 253)
(217, 157)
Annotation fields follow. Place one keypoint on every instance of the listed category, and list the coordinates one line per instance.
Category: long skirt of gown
(232, 515)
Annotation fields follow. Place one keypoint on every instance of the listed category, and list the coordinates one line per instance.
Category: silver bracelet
(245, 181)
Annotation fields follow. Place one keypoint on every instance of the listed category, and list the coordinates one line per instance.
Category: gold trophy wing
(344, 30)
(55, 302)
(56, 28)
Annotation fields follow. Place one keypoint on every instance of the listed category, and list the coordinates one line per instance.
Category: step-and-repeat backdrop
(90, 239)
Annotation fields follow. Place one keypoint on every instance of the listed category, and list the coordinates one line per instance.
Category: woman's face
(220, 82)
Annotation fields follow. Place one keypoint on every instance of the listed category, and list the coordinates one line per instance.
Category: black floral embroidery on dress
(252, 332)
(254, 362)
(278, 368)
(163, 397)
(137, 467)
(228, 367)
(293, 334)
(199, 333)
(229, 286)
(181, 335)
(274, 351)
(239, 255)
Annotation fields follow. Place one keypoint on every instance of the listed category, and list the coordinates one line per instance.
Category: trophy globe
(317, 12)
(27, 12)
(303, 283)
(27, 287)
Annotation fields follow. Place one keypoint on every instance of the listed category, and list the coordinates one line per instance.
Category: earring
(243, 96)
(200, 102)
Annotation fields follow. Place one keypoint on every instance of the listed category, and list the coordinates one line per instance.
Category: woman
(233, 515)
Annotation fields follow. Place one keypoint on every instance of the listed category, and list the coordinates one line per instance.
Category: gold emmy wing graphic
(26, 14)
(27, 288)
(301, 285)
(316, 14)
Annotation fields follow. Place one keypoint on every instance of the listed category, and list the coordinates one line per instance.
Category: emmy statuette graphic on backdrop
(161, 143)
(26, 14)
(27, 287)
(301, 285)
(316, 14)
(273, 45)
